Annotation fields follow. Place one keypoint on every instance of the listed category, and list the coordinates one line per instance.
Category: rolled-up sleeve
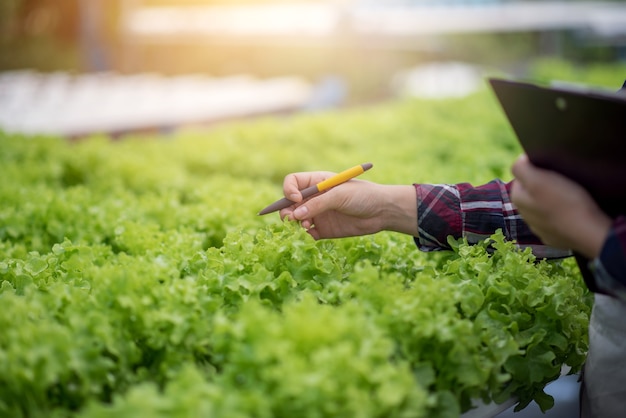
(474, 213)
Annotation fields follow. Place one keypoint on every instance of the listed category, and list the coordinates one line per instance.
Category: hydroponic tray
(489, 410)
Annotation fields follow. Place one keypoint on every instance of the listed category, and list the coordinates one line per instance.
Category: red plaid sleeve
(474, 213)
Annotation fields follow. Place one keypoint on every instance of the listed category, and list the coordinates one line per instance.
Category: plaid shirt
(474, 213)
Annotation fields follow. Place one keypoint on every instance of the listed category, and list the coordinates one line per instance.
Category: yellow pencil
(335, 180)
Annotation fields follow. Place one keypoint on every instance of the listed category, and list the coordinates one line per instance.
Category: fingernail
(293, 197)
(300, 212)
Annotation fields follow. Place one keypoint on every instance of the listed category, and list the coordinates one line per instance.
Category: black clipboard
(577, 131)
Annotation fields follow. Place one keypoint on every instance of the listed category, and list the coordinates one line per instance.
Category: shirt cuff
(438, 216)
(609, 268)
(604, 282)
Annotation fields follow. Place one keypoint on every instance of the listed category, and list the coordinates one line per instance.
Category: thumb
(527, 174)
(315, 206)
(520, 166)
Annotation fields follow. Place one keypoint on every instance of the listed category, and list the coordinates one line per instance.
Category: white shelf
(74, 105)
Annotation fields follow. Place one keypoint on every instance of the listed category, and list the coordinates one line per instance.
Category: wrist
(591, 245)
(399, 212)
(588, 228)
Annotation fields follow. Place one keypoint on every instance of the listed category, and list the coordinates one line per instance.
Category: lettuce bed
(137, 280)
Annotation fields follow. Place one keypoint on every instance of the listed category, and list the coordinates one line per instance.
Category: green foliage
(137, 280)
(599, 75)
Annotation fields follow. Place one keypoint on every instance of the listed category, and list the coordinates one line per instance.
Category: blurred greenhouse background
(159, 64)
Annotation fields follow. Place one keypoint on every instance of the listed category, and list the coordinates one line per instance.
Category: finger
(287, 213)
(315, 206)
(302, 212)
(314, 233)
(291, 187)
(527, 208)
(521, 167)
(295, 182)
(519, 195)
(533, 178)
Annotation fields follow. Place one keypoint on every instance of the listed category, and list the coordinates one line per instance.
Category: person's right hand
(558, 210)
(353, 208)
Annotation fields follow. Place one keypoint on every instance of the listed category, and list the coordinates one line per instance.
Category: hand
(559, 211)
(353, 208)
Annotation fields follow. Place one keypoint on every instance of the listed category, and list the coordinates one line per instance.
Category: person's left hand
(559, 211)
(356, 207)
